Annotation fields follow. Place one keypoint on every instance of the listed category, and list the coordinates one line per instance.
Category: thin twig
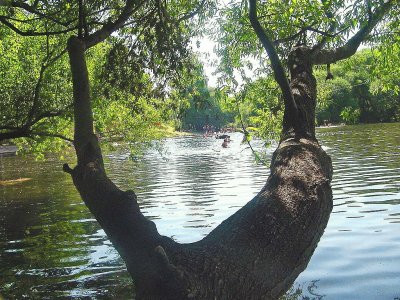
(48, 134)
(246, 133)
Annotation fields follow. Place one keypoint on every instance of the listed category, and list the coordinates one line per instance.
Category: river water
(51, 247)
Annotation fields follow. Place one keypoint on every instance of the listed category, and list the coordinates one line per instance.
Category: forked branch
(276, 64)
(323, 57)
(21, 32)
(130, 8)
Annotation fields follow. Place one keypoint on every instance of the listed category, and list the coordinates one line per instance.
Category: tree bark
(304, 89)
(85, 142)
(255, 254)
(12, 134)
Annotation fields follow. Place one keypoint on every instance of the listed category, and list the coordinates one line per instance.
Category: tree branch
(80, 19)
(26, 131)
(289, 38)
(33, 10)
(48, 114)
(321, 32)
(22, 133)
(47, 62)
(279, 73)
(7, 127)
(4, 20)
(23, 21)
(130, 8)
(322, 57)
(193, 13)
(331, 28)
(55, 58)
(48, 134)
(17, 133)
(325, 34)
(36, 95)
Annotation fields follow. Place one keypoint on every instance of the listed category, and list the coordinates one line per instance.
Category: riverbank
(331, 125)
(169, 131)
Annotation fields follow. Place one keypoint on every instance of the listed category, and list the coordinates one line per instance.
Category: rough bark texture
(256, 253)
(303, 86)
(86, 144)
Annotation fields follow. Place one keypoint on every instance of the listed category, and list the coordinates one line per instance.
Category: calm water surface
(51, 247)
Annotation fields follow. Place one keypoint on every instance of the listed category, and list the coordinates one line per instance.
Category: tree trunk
(86, 145)
(255, 254)
(304, 89)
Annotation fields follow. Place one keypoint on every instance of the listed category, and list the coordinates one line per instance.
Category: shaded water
(50, 246)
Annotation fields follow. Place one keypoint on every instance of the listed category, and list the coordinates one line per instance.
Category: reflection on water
(359, 255)
(193, 184)
(50, 246)
(48, 240)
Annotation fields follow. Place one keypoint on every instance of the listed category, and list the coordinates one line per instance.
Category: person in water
(225, 142)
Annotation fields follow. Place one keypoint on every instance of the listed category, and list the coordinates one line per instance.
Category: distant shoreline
(331, 126)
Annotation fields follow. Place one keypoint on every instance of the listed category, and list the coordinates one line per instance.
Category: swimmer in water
(225, 143)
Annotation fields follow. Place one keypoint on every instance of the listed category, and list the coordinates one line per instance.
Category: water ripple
(51, 247)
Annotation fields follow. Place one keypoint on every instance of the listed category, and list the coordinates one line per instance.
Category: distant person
(225, 143)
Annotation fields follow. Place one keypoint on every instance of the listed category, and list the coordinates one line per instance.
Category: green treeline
(358, 92)
(134, 105)
(364, 89)
(136, 98)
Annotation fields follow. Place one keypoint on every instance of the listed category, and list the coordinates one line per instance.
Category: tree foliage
(358, 93)
(332, 31)
(35, 91)
(134, 75)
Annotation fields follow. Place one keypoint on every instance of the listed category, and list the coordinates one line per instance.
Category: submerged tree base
(257, 253)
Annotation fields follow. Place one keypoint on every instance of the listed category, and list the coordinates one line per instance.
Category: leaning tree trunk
(256, 253)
